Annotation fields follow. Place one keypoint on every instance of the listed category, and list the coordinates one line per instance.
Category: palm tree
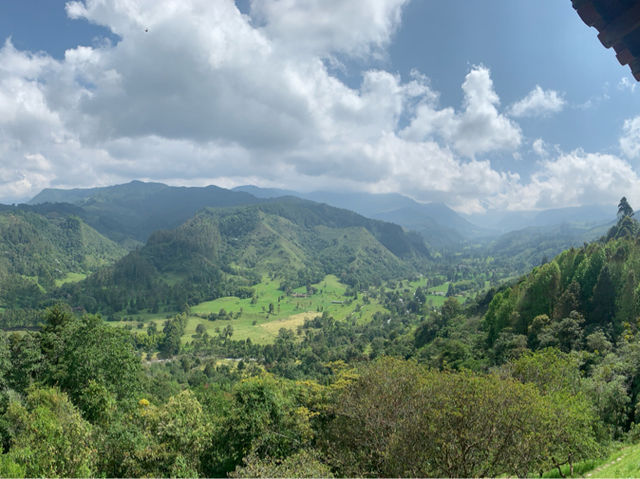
(624, 208)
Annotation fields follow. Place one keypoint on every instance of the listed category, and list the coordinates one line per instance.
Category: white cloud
(576, 178)
(630, 139)
(538, 103)
(209, 95)
(626, 84)
(478, 128)
(327, 27)
(429, 172)
(539, 147)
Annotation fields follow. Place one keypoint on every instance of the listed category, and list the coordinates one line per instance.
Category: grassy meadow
(252, 317)
(261, 317)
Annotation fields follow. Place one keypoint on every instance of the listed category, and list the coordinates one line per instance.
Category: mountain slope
(439, 224)
(580, 292)
(223, 251)
(40, 247)
(506, 221)
(521, 250)
(50, 243)
(134, 210)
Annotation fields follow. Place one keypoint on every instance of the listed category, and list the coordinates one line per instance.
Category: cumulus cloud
(26, 123)
(326, 27)
(195, 92)
(626, 84)
(478, 128)
(630, 139)
(577, 178)
(539, 147)
(538, 103)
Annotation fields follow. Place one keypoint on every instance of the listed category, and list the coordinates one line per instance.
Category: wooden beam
(590, 15)
(635, 68)
(624, 24)
(624, 56)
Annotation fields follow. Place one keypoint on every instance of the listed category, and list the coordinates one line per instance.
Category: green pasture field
(70, 278)
(622, 463)
(251, 317)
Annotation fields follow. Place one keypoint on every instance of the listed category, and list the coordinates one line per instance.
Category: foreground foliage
(86, 408)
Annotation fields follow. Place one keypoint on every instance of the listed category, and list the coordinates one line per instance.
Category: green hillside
(599, 283)
(224, 251)
(519, 251)
(133, 211)
(48, 245)
(41, 249)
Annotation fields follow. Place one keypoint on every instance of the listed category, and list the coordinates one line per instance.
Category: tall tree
(603, 300)
(624, 208)
(49, 437)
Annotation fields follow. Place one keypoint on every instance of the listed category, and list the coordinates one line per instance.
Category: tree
(173, 331)
(569, 301)
(265, 420)
(540, 292)
(400, 419)
(624, 208)
(156, 441)
(305, 463)
(26, 361)
(571, 431)
(603, 300)
(183, 430)
(95, 364)
(49, 437)
(549, 369)
(450, 309)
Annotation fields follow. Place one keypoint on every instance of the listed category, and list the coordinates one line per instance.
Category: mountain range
(136, 209)
(129, 213)
(224, 251)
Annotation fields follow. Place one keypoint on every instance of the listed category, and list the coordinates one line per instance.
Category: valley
(251, 317)
(304, 238)
(284, 314)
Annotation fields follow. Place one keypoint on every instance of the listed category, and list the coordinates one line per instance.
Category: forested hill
(224, 251)
(441, 226)
(519, 251)
(133, 211)
(586, 290)
(42, 246)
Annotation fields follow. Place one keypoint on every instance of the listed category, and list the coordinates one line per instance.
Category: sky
(480, 104)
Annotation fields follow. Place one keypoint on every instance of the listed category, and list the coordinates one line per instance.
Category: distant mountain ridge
(439, 224)
(133, 211)
(506, 221)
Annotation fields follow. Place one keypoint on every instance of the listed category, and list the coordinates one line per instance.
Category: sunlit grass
(623, 461)
(70, 278)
